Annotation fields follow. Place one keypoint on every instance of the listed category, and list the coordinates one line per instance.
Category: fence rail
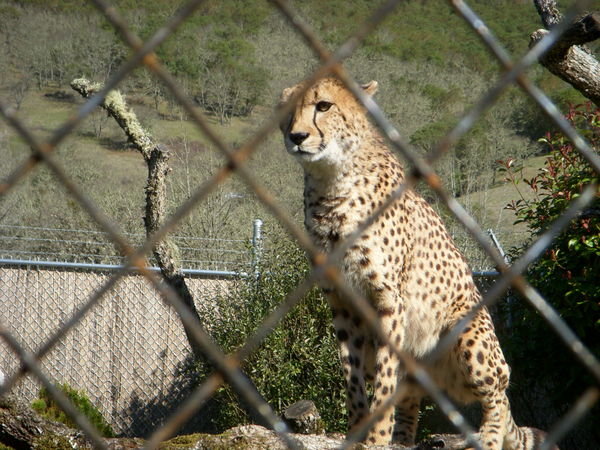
(17, 255)
(59, 331)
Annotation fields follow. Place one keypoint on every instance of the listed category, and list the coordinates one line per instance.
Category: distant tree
(19, 89)
(231, 82)
(50, 47)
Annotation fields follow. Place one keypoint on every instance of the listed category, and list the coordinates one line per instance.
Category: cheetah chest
(375, 258)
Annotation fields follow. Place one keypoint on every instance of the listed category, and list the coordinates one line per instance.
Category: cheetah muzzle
(405, 264)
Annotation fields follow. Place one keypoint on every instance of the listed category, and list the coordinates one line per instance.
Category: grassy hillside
(430, 66)
(114, 176)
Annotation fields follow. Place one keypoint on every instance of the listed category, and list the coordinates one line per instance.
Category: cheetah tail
(524, 438)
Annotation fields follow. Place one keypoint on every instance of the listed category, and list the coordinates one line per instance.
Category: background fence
(129, 353)
(82, 325)
(27, 243)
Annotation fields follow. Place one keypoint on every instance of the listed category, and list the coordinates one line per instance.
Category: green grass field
(114, 176)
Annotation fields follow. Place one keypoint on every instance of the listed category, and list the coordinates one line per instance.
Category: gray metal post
(496, 243)
(257, 246)
(509, 299)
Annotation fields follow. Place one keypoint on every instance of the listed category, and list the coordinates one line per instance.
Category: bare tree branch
(548, 12)
(567, 59)
(156, 156)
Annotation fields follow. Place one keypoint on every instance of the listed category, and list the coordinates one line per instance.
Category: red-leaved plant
(568, 273)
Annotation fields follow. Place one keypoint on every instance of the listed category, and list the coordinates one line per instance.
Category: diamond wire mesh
(122, 353)
(324, 265)
(61, 245)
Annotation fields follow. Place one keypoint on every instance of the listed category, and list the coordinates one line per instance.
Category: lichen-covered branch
(568, 59)
(548, 12)
(156, 157)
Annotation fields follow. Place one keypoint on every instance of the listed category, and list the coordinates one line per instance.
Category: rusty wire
(324, 265)
(425, 171)
(266, 198)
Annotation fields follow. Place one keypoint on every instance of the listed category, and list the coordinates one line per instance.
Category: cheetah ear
(283, 99)
(370, 87)
(286, 94)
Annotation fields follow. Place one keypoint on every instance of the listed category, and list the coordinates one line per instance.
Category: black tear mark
(321, 135)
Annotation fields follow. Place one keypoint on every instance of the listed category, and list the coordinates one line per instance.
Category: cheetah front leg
(386, 376)
(486, 374)
(352, 340)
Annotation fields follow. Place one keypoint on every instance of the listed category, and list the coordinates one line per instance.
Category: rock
(304, 418)
(22, 428)
(255, 437)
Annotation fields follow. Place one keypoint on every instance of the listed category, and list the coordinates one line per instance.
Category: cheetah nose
(298, 138)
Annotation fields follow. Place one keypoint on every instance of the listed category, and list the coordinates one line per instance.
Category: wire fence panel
(67, 320)
(94, 247)
(129, 353)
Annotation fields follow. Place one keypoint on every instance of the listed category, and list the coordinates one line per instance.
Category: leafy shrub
(47, 407)
(566, 274)
(298, 360)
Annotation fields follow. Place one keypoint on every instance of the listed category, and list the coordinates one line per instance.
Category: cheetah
(405, 264)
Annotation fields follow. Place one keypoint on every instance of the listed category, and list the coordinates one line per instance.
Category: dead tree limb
(548, 12)
(569, 59)
(156, 157)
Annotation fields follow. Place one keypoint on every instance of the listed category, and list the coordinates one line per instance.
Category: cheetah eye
(323, 106)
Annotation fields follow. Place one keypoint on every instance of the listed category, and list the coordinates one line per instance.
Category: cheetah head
(327, 124)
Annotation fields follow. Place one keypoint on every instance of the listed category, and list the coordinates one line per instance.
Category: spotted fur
(405, 264)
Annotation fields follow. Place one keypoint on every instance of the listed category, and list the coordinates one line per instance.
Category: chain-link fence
(227, 366)
(129, 353)
(24, 243)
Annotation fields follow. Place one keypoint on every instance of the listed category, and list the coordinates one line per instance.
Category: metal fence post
(509, 298)
(496, 243)
(257, 246)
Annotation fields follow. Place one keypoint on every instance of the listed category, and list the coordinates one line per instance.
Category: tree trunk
(156, 157)
(568, 58)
